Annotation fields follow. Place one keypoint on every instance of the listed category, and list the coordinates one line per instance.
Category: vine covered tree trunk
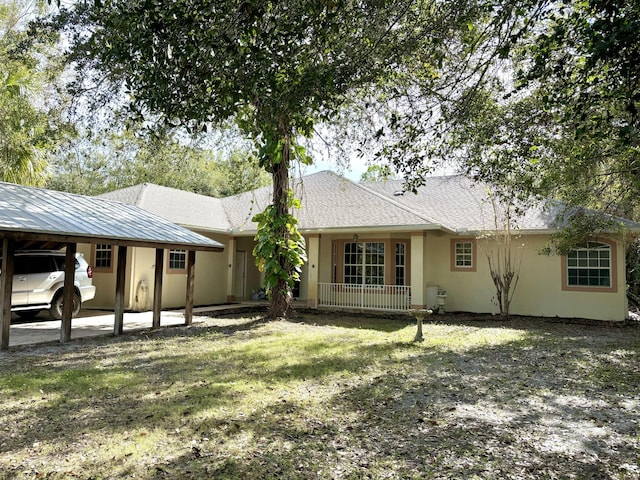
(280, 248)
(281, 292)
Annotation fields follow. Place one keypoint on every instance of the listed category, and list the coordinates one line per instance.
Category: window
(463, 255)
(102, 256)
(334, 271)
(364, 263)
(401, 266)
(177, 260)
(590, 266)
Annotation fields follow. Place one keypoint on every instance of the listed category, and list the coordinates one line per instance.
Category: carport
(36, 218)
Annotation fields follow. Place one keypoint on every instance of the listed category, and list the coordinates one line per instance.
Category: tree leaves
(274, 68)
(30, 121)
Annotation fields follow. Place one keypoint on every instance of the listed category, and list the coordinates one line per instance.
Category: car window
(58, 261)
(39, 264)
(20, 264)
(25, 264)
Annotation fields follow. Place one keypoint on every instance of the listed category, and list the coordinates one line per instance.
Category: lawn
(323, 397)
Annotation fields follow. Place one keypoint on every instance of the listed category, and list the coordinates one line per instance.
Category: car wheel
(27, 313)
(57, 305)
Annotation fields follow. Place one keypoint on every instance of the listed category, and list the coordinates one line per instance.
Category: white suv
(38, 281)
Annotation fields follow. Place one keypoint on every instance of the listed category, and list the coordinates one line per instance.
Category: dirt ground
(343, 398)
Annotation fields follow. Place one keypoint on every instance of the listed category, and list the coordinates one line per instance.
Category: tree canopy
(377, 172)
(30, 110)
(545, 103)
(275, 68)
(107, 160)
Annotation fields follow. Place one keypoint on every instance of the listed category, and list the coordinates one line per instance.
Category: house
(373, 246)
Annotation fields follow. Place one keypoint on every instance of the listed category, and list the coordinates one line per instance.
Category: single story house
(372, 246)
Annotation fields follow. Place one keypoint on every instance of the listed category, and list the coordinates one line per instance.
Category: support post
(313, 264)
(67, 292)
(157, 288)
(6, 287)
(191, 275)
(118, 325)
(418, 294)
(231, 270)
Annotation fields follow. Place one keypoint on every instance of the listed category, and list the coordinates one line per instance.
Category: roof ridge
(431, 177)
(399, 205)
(142, 189)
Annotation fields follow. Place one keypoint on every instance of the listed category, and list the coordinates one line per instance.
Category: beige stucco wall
(210, 285)
(105, 283)
(539, 290)
(325, 262)
(210, 279)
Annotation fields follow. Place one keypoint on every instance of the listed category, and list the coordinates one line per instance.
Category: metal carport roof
(40, 218)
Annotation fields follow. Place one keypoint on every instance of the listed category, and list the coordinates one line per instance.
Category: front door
(239, 274)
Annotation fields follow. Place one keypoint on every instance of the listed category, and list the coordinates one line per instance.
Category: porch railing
(366, 297)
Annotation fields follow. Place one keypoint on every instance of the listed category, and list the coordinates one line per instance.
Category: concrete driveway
(91, 323)
(88, 323)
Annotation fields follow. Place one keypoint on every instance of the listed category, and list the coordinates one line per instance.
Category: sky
(356, 168)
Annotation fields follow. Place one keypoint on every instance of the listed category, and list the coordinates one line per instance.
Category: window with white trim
(464, 254)
(364, 263)
(177, 260)
(589, 266)
(401, 263)
(103, 256)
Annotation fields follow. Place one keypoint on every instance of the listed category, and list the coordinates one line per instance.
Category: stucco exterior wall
(539, 291)
(210, 280)
(142, 270)
(105, 282)
(253, 278)
(325, 261)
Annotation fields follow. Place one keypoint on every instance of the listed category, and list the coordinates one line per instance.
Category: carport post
(157, 288)
(67, 292)
(6, 284)
(191, 275)
(119, 299)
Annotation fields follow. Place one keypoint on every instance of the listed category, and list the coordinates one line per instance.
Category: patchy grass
(327, 397)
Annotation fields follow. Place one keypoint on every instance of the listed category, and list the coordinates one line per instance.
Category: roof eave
(64, 238)
(206, 229)
(359, 229)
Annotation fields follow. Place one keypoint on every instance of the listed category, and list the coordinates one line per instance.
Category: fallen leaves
(294, 400)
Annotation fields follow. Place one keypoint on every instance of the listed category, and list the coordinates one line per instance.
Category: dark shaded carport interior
(34, 218)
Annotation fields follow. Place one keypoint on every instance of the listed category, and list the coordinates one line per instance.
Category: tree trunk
(281, 293)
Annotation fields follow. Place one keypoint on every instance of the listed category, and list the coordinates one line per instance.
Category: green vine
(280, 247)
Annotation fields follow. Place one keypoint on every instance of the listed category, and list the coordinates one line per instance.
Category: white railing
(369, 297)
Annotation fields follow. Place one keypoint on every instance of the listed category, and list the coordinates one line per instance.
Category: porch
(391, 298)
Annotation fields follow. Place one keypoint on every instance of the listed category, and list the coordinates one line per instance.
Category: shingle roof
(46, 213)
(184, 208)
(459, 204)
(328, 202)
(332, 202)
